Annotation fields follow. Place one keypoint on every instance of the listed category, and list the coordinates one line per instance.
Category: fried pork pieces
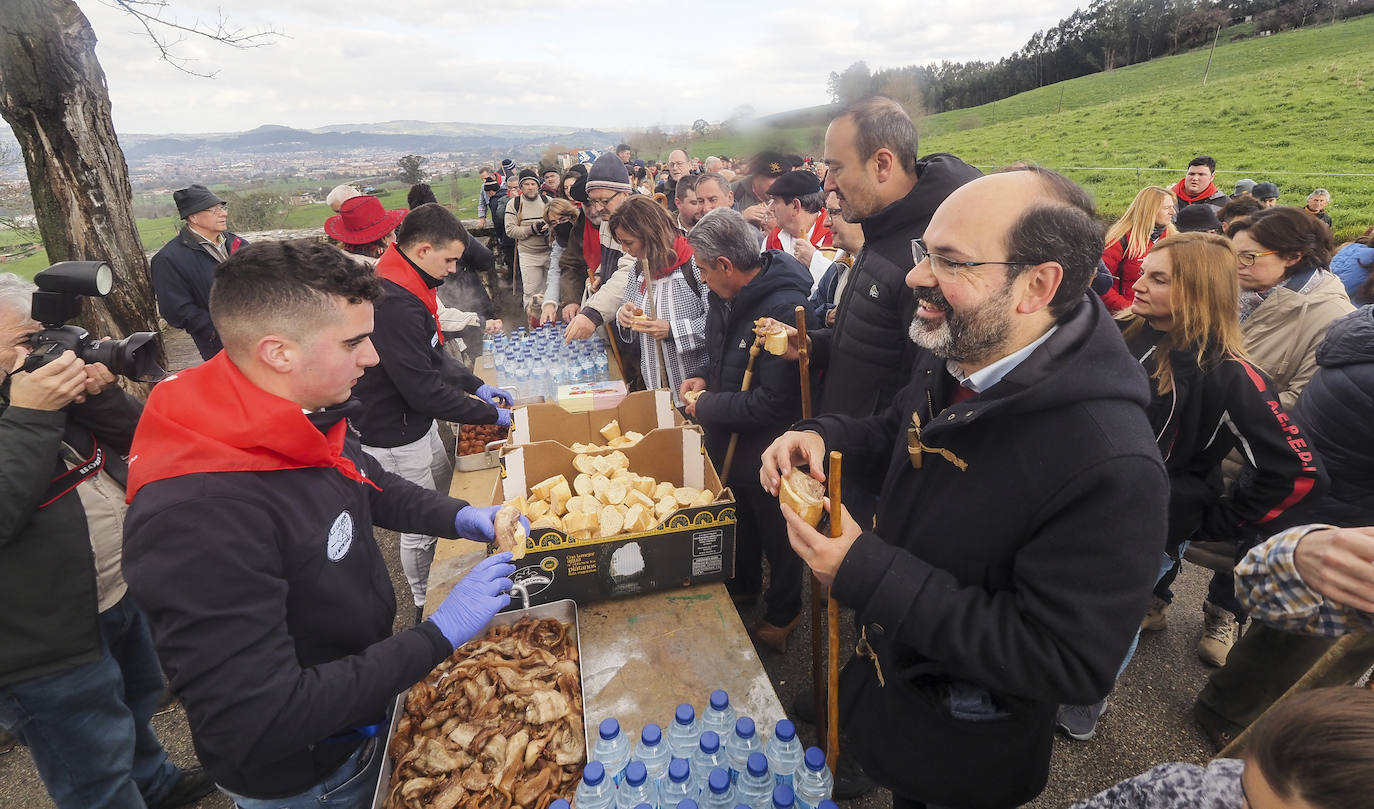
(497, 725)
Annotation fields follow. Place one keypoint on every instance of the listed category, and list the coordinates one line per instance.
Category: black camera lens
(135, 356)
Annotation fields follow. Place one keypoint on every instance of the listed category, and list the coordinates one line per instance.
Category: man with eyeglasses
(184, 268)
(1023, 503)
(679, 166)
(608, 185)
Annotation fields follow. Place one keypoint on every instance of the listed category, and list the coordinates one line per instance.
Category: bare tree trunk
(52, 92)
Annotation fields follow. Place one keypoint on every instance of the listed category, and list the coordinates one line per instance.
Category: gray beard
(975, 337)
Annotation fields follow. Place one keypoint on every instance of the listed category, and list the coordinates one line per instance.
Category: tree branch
(166, 32)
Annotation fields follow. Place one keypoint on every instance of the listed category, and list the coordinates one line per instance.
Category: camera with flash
(62, 290)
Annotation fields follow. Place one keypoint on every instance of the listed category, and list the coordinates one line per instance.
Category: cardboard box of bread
(618, 522)
(593, 430)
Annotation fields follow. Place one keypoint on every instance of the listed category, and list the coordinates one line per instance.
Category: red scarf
(820, 235)
(683, 253)
(395, 267)
(210, 418)
(591, 245)
(1207, 193)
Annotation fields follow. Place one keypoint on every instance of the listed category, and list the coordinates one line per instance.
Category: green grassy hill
(1286, 108)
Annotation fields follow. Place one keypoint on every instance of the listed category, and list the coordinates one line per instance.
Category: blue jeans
(126, 635)
(349, 787)
(79, 732)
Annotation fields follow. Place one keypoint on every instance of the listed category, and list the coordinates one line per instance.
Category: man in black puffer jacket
(746, 286)
(183, 269)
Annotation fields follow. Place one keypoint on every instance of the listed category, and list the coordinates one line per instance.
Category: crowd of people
(1041, 420)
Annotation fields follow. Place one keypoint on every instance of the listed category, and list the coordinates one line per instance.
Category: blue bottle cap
(758, 764)
(685, 714)
(827, 804)
(651, 735)
(720, 781)
(559, 803)
(783, 797)
(815, 759)
(710, 742)
(686, 803)
(644, 806)
(720, 700)
(609, 728)
(744, 727)
(593, 773)
(785, 730)
(636, 774)
(678, 770)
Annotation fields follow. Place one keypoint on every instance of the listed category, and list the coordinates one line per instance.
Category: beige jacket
(1282, 335)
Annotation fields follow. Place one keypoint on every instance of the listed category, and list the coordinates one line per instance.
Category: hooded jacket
(1334, 412)
(1282, 334)
(1010, 582)
(773, 400)
(269, 600)
(867, 356)
(406, 391)
(1227, 405)
(182, 274)
(48, 597)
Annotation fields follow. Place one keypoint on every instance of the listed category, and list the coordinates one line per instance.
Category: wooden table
(641, 656)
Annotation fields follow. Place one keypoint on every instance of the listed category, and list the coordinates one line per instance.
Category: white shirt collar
(990, 375)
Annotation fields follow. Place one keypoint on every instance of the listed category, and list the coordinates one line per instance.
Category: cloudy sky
(578, 64)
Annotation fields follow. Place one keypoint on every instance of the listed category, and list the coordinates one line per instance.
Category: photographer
(79, 680)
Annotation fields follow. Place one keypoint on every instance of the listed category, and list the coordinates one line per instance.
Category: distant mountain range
(420, 137)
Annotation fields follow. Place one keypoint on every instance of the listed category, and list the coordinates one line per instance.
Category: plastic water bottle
(595, 791)
(719, 794)
(540, 385)
(784, 753)
(612, 750)
(719, 715)
(783, 798)
(755, 784)
(653, 751)
(814, 782)
(687, 803)
(684, 732)
(603, 366)
(677, 787)
(743, 743)
(636, 788)
(708, 757)
(488, 350)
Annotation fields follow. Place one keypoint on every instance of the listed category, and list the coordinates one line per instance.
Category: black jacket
(272, 610)
(1334, 412)
(1019, 580)
(1228, 405)
(464, 289)
(182, 274)
(404, 393)
(773, 400)
(48, 607)
(867, 356)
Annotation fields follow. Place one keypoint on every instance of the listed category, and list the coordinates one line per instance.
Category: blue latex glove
(490, 394)
(479, 595)
(478, 523)
(502, 417)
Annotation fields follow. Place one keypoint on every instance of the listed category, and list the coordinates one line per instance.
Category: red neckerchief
(683, 253)
(1207, 193)
(591, 245)
(820, 235)
(395, 267)
(210, 418)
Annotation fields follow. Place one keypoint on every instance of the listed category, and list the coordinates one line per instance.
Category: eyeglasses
(1247, 257)
(604, 202)
(672, 163)
(948, 267)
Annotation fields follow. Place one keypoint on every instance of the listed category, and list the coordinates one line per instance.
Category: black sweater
(404, 393)
(272, 608)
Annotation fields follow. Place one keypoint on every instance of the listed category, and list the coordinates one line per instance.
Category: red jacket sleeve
(1117, 264)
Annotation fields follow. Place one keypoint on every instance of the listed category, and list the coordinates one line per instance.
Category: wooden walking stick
(832, 621)
(818, 672)
(743, 386)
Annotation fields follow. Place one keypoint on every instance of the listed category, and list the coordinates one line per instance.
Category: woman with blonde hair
(1208, 401)
(664, 309)
(1149, 219)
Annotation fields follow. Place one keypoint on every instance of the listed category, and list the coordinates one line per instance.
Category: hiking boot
(850, 780)
(8, 741)
(1219, 631)
(803, 707)
(771, 637)
(166, 703)
(191, 786)
(1080, 721)
(1157, 617)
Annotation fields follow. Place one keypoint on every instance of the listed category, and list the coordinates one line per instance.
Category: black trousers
(761, 532)
(898, 802)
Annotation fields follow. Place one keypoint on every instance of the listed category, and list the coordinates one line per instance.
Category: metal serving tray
(565, 611)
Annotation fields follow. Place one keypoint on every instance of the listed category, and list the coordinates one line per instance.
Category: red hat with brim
(363, 220)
